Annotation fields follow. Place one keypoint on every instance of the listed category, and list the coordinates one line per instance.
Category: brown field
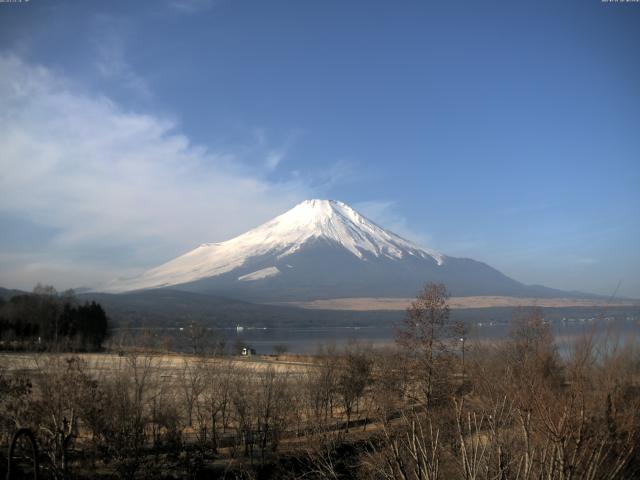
(384, 303)
(166, 364)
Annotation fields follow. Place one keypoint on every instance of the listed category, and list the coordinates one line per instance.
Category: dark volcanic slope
(172, 308)
(322, 269)
(165, 307)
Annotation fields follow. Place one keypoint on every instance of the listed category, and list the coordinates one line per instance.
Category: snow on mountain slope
(260, 274)
(286, 234)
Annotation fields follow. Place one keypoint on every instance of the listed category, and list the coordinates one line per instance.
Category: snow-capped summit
(311, 220)
(320, 249)
(335, 221)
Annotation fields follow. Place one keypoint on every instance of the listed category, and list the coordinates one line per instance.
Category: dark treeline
(46, 319)
(434, 406)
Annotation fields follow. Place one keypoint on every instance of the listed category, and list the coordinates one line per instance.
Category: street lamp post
(462, 339)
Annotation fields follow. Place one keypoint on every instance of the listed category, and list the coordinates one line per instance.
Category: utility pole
(462, 340)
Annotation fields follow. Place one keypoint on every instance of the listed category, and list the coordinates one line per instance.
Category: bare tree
(191, 382)
(60, 383)
(244, 414)
(197, 336)
(321, 385)
(280, 349)
(353, 378)
(271, 408)
(388, 388)
(127, 398)
(218, 383)
(424, 335)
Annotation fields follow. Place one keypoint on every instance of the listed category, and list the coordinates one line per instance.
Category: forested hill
(46, 319)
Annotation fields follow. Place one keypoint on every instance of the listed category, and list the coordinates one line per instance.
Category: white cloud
(103, 176)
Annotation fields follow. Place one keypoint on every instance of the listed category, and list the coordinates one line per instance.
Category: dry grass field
(171, 364)
(382, 303)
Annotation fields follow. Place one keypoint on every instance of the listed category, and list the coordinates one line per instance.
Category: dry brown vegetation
(485, 301)
(515, 410)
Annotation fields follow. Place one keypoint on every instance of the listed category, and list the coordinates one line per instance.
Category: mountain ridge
(281, 236)
(324, 249)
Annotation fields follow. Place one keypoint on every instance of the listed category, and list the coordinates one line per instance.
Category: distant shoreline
(364, 304)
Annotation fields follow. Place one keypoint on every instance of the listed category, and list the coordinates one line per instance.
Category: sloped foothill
(173, 308)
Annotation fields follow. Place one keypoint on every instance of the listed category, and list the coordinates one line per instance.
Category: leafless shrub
(191, 382)
(410, 451)
(320, 384)
(544, 417)
(272, 403)
(126, 402)
(61, 384)
(527, 413)
(216, 407)
(389, 383)
(15, 397)
(322, 456)
(353, 377)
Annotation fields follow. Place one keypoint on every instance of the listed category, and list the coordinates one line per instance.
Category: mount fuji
(323, 249)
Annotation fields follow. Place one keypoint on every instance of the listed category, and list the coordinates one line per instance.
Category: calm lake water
(309, 340)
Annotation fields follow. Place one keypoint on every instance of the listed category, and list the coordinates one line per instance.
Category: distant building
(247, 352)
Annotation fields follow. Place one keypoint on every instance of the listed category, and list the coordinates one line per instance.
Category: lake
(308, 340)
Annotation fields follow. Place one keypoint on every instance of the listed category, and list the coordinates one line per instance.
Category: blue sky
(503, 131)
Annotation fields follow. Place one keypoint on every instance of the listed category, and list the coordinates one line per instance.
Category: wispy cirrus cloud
(109, 35)
(127, 189)
(277, 154)
(192, 6)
